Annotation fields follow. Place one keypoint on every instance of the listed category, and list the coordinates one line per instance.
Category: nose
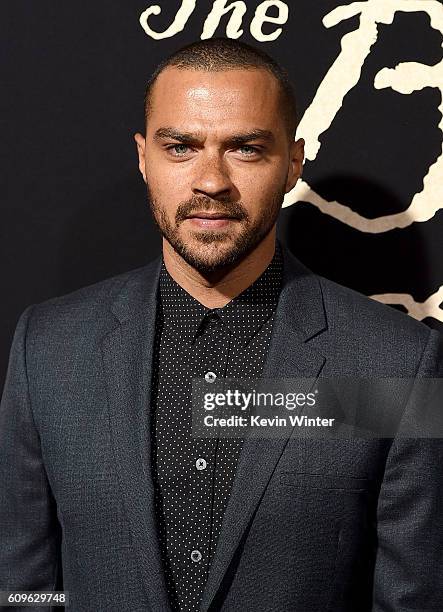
(211, 177)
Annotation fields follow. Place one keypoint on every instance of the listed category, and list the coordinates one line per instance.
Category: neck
(216, 289)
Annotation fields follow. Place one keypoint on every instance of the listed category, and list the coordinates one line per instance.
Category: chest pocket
(331, 482)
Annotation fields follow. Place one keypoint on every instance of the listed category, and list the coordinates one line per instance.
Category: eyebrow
(234, 140)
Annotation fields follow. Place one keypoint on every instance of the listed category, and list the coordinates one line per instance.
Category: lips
(207, 215)
(211, 220)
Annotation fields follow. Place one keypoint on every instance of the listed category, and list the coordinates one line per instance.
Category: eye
(178, 150)
(248, 150)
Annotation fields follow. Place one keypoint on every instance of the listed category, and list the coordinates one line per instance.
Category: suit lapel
(300, 316)
(127, 353)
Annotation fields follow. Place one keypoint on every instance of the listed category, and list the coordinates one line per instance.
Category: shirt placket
(210, 363)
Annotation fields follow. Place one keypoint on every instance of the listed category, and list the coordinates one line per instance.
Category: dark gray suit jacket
(311, 525)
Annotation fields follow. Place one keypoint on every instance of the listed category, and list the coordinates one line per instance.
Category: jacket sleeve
(409, 562)
(29, 529)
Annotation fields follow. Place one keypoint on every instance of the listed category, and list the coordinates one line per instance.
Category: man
(105, 491)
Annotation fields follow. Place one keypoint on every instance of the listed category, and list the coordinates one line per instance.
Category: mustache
(198, 204)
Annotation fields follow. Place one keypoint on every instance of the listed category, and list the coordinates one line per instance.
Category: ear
(141, 145)
(296, 157)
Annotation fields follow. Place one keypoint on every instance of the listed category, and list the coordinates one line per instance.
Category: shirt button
(213, 319)
(200, 464)
(210, 377)
(196, 556)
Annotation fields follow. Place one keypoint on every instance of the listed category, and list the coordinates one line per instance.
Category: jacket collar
(300, 300)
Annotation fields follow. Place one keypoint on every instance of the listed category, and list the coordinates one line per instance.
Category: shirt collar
(244, 315)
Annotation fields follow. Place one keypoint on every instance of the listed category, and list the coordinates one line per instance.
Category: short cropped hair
(217, 54)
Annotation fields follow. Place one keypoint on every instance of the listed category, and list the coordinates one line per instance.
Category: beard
(210, 250)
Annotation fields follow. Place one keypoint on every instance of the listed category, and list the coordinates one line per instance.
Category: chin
(209, 257)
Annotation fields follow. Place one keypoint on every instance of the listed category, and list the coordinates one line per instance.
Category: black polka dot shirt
(193, 476)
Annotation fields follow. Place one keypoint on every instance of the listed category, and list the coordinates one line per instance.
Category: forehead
(235, 98)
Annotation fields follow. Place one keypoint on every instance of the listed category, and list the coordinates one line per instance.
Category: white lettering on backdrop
(343, 75)
(237, 11)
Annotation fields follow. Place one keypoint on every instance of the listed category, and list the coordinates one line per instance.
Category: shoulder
(86, 311)
(360, 310)
(348, 315)
(375, 336)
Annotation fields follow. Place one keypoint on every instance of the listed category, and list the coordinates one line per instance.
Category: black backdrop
(73, 206)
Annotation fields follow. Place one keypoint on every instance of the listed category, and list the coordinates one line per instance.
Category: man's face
(216, 144)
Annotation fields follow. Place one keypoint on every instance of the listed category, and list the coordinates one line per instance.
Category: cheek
(260, 186)
(165, 181)
(162, 185)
